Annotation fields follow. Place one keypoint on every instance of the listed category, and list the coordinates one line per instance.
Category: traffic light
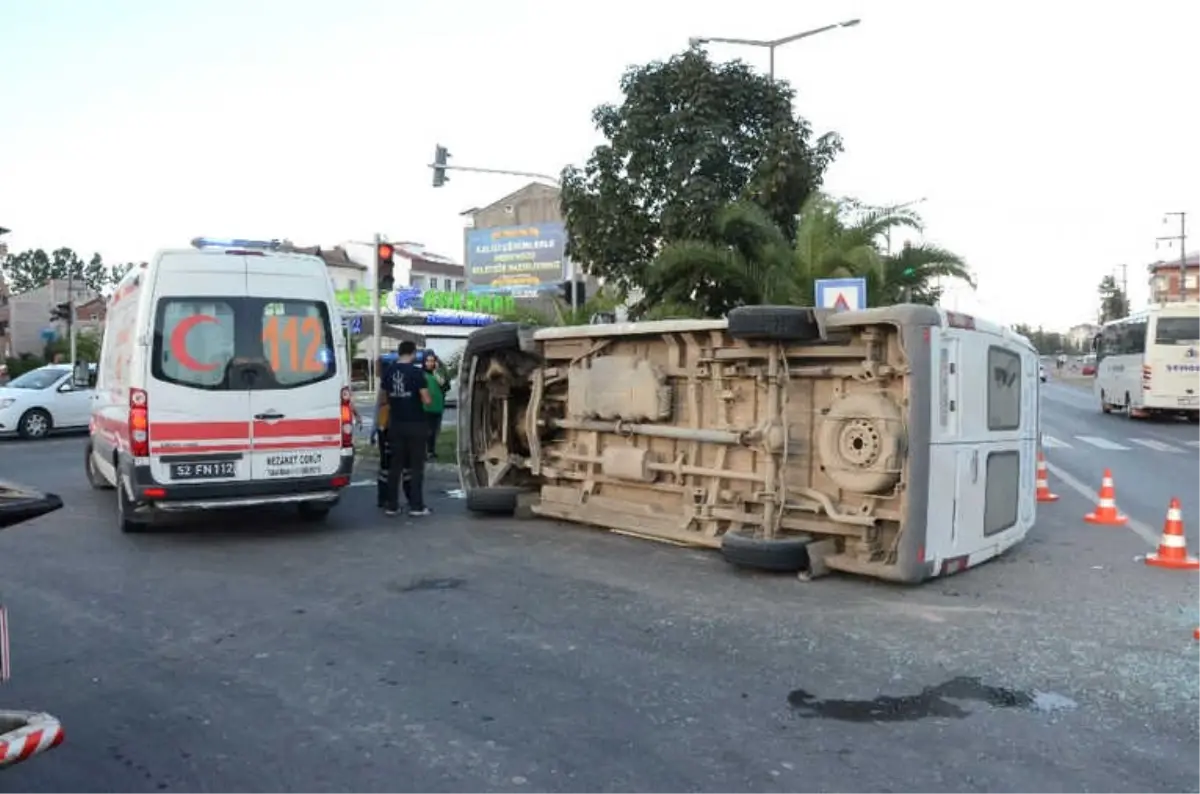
(908, 271)
(61, 311)
(440, 156)
(385, 265)
(565, 289)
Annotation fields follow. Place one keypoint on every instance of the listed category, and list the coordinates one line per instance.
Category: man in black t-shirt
(404, 390)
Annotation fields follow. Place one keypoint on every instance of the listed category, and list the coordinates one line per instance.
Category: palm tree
(746, 260)
(914, 274)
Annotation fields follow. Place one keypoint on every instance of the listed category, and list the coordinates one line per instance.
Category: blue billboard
(516, 258)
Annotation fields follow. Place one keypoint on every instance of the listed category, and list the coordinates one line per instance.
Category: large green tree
(1114, 303)
(690, 139)
(34, 268)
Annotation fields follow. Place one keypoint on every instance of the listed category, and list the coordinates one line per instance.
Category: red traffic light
(385, 251)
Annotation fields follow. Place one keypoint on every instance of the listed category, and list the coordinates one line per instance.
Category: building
(1079, 337)
(1164, 280)
(350, 266)
(427, 270)
(28, 316)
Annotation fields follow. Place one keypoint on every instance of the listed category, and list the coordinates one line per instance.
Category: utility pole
(1182, 238)
(376, 317)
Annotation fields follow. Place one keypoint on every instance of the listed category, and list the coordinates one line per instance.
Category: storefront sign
(408, 298)
(510, 258)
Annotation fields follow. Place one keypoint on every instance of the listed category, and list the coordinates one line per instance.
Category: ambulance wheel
(130, 523)
(94, 477)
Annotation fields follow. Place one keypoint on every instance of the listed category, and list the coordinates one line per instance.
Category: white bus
(1149, 362)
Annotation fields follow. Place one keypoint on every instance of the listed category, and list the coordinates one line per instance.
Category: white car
(43, 400)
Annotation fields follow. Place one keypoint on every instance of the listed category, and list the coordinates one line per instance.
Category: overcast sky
(1048, 139)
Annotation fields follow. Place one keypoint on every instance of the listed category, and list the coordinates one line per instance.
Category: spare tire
(786, 554)
(776, 323)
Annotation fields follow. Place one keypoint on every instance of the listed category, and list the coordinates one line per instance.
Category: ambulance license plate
(203, 470)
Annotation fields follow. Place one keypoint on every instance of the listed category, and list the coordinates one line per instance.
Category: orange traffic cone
(1172, 548)
(1043, 482)
(1106, 509)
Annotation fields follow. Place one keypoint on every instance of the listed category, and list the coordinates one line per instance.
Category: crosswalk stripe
(1050, 442)
(1103, 443)
(1156, 445)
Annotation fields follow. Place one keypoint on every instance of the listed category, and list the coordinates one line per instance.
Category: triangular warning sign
(840, 305)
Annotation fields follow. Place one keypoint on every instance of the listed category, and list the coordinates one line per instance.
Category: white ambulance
(223, 382)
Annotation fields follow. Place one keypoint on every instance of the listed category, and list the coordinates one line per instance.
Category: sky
(1046, 140)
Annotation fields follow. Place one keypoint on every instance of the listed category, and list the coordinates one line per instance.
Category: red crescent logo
(179, 342)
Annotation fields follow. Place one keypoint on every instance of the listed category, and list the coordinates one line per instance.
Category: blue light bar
(213, 242)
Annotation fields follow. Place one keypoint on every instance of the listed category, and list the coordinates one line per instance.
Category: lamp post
(772, 44)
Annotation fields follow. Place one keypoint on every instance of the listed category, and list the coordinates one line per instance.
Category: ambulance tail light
(139, 423)
(347, 420)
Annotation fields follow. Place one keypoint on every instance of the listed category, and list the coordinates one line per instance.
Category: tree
(1113, 302)
(912, 275)
(35, 268)
(689, 139)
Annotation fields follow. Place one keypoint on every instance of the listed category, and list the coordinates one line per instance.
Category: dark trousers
(435, 427)
(385, 463)
(406, 443)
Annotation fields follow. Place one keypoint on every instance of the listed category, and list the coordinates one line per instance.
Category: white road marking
(1193, 444)
(1147, 534)
(1156, 445)
(1103, 443)
(361, 483)
(1050, 442)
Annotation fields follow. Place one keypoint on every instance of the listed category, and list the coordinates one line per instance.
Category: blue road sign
(841, 294)
(356, 324)
(49, 334)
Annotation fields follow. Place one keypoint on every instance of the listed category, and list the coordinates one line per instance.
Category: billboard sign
(516, 258)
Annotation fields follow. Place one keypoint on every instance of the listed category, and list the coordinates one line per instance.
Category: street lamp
(771, 44)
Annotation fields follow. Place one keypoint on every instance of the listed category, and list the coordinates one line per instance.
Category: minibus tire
(784, 555)
(493, 338)
(498, 500)
(776, 323)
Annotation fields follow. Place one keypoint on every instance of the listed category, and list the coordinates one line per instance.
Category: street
(456, 653)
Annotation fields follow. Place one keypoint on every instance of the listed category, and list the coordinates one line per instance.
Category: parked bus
(898, 443)
(1149, 362)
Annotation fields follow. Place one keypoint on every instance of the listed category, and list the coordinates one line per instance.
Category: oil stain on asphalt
(935, 701)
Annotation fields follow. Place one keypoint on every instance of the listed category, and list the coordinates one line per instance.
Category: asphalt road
(451, 653)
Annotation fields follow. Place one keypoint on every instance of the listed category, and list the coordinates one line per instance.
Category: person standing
(404, 390)
(436, 382)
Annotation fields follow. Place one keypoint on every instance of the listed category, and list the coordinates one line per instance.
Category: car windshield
(36, 379)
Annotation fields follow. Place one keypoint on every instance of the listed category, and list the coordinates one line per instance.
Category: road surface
(464, 654)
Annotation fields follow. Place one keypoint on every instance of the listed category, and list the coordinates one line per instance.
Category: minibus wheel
(786, 554)
(775, 323)
(498, 500)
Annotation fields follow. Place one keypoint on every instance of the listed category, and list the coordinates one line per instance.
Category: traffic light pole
(376, 318)
(71, 312)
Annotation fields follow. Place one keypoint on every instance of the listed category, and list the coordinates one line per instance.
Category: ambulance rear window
(210, 343)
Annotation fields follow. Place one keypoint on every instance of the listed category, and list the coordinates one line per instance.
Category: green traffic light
(908, 271)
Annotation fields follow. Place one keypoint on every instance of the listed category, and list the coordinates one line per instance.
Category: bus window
(1177, 330)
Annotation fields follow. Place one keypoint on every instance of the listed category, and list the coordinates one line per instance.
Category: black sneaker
(424, 511)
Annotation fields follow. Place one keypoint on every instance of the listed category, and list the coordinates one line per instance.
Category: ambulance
(223, 383)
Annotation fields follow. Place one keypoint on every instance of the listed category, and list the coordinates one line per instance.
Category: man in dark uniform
(404, 391)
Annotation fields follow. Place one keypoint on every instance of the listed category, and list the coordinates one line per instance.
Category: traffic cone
(1196, 633)
(1043, 482)
(1106, 512)
(1172, 548)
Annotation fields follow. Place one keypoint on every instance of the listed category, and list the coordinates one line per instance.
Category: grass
(446, 448)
